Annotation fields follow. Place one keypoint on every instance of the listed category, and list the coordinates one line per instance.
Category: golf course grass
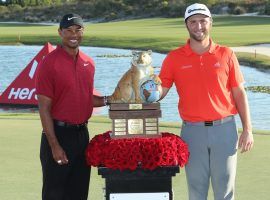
(159, 34)
(20, 170)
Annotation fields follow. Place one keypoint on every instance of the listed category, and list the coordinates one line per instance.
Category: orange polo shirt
(203, 82)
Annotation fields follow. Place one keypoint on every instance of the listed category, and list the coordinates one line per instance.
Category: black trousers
(71, 181)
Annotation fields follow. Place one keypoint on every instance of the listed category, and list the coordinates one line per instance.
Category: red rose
(130, 153)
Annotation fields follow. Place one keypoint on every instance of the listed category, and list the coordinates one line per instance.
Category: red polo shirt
(69, 83)
(203, 82)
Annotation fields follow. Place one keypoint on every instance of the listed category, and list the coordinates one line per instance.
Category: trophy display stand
(135, 120)
(139, 184)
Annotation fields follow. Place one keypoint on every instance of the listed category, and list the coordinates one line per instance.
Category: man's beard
(199, 38)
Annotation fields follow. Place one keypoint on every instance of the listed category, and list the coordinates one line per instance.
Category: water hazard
(112, 63)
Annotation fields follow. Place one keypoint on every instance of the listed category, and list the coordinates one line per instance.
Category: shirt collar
(188, 51)
(62, 50)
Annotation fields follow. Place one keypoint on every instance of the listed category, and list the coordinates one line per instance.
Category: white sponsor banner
(140, 196)
(22, 93)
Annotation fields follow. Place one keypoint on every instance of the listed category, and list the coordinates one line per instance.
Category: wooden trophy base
(135, 120)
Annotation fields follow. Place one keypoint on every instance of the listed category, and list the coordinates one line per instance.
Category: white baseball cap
(197, 8)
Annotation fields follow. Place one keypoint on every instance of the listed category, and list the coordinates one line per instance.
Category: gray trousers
(213, 156)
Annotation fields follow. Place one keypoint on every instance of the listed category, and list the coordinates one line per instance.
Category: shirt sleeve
(93, 75)
(44, 80)
(235, 75)
(166, 72)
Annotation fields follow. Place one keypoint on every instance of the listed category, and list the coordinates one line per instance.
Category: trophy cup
(133, 107)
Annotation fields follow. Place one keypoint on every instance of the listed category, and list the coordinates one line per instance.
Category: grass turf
(159, 34)
(20, 170)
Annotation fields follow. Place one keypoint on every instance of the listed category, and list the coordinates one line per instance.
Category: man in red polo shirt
(209, 83)
(64, 87)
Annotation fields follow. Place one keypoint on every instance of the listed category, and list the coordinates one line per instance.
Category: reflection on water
(109, 69)
(7, 109)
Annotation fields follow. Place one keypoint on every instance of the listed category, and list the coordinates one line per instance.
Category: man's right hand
(45, 104)
(59, 155)
(164, 92)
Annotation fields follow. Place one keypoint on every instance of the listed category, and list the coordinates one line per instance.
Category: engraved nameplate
(151, 120)
(135, 106)
(120, 133)
(135, 126)
(120, 129)
(151, 124)
(151, 128)
(150, 132)
(120, 120)
(120, 125)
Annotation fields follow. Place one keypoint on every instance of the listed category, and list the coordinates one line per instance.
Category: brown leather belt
(68, 125)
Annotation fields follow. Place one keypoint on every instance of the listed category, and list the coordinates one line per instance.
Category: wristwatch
(106, 101)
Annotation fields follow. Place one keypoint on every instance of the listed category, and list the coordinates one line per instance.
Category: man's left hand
(246, 141)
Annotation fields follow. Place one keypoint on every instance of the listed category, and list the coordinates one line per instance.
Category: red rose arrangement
(130, 153)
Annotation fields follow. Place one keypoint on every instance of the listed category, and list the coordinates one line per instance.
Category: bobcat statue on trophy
(128, 88)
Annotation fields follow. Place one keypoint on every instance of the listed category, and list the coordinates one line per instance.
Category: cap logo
(70, 18)
(197, 9)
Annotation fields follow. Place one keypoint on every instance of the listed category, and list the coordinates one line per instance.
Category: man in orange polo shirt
(209, 83)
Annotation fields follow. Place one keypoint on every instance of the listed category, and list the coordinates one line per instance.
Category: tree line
(24, 3)
(37, 10)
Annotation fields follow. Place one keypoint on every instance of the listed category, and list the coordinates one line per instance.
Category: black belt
(68, 125)
(211, 123)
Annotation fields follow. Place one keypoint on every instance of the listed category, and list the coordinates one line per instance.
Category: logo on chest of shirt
(217, 65)
(85, 64)
(186, 66)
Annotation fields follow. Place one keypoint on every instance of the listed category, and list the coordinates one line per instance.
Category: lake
(112, 63)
